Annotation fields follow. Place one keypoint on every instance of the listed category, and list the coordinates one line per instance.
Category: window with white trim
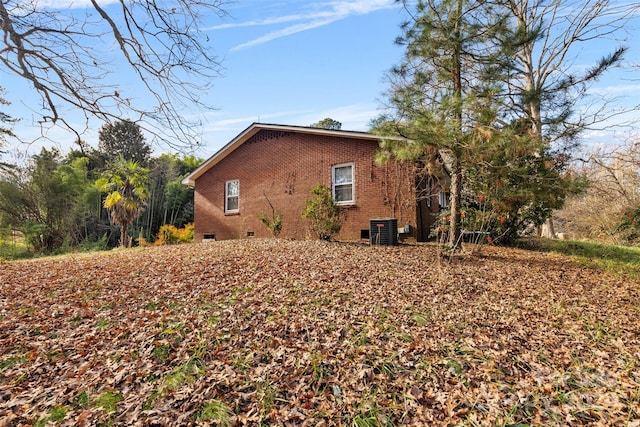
(342, 183)
(443, 200)
(232, 196)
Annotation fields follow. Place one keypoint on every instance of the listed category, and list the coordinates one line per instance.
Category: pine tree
(443, 86)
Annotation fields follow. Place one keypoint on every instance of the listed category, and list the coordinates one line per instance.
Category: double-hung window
(342, 183)
(232, 196)
(443, 200)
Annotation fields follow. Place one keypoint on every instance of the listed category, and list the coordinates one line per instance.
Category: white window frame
(352, 183)
(227, 196)
(430, 191)
(443, 199)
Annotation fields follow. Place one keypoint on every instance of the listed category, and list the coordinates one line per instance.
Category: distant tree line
(59, 201)
(609, 208)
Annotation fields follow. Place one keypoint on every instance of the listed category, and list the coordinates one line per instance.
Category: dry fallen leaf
(316, 333)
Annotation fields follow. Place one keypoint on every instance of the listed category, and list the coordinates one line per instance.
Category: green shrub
(273, 223)
(324, 216)
(95, 245)
(35, 235)
(13, 250)
(627, 231)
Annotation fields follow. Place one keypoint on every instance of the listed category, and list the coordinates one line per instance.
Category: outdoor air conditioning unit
(383, 231)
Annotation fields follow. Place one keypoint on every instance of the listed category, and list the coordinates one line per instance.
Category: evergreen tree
(124, 139)
(443, 86)
(327, 123)
(515, 185)
(488, 86)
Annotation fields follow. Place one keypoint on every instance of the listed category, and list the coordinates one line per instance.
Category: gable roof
(254, 128)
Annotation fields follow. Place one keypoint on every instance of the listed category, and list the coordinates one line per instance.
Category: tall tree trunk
(548, 229)
(123, 235)
(455, 202)
(533, 93)
(456, 179)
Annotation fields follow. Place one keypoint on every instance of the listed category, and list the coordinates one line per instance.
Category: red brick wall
(284, 166)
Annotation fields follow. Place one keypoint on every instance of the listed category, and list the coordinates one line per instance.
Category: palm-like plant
(126, 185)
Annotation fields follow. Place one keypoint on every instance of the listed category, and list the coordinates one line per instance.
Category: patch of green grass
(108, 307)
(421, 319)
(600, 256)
(454, 366)
(108, 400)
(174, 305)
(161, 352)
(12, 361)
(235, 294)
(76, 320)
(318, 367)
(201, 348)
(186, 373)
(266, 395)
(20, 379)
(358, 334)
(56, 415)
(215, 410)
(151, 306)
(242, 362)
(103, 324)
(599, 332)
(148, 404)
(82, 400)
(371, 418)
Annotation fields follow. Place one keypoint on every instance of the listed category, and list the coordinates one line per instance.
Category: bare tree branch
(67, 56)
(543, 71)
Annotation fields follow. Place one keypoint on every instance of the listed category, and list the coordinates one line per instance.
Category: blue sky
(297, 62)
(294, 62)
(288, 62)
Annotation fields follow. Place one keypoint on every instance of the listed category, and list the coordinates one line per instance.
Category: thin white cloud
(239, 123)
(361, 7)
(320, 14)
(268, 21)
(222, 127)
(293, 29)
(353, 117)
(629, 90)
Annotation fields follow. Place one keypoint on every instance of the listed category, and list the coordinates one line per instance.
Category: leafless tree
(6, 129)
(545, 83)
(73, 56)
(613, 173)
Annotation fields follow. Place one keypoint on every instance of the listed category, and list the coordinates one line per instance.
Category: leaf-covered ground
(275, 332)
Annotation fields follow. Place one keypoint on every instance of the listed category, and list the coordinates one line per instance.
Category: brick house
(280, 164)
